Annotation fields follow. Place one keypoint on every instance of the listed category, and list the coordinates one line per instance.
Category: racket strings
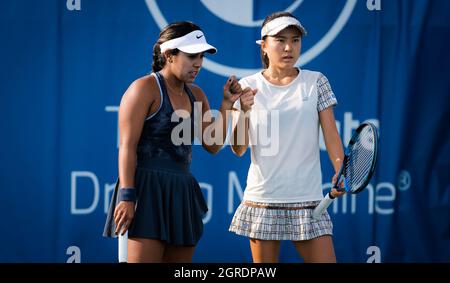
(360, 160)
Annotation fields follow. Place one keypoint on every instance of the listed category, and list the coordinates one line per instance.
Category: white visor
(276, 25)
(193, 42)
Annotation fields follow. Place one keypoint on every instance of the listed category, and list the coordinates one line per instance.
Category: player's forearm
(335, 151)
(223, 119)
(127, 165)
(216, 131)
(240, 135)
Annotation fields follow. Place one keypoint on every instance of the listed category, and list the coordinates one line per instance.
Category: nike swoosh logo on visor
(198, 36)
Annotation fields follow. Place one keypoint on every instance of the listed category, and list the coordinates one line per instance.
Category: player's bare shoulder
(141, 97)
(198, 93)
(144, 89)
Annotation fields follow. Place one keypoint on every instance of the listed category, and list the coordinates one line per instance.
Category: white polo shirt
(284, 138)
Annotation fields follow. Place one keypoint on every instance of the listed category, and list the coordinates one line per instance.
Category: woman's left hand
(232, 90)
(335, 193)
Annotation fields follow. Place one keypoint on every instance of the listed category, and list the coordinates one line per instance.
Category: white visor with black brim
(193, 42)
(276, 25)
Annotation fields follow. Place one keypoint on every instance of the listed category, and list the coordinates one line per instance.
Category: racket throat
(331, 196)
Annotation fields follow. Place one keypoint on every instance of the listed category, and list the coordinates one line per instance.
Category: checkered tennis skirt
(280, 221)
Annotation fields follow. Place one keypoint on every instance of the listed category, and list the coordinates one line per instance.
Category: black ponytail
(158, 59)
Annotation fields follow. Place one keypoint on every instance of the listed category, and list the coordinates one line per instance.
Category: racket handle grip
(323, 205)
(123, 247)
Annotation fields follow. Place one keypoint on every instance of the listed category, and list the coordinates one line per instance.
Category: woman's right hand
(123, 215)
(248, 98)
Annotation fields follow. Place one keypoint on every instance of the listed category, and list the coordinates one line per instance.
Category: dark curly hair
(171, 31)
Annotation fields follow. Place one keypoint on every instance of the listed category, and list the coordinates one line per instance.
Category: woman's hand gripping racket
(358, 166)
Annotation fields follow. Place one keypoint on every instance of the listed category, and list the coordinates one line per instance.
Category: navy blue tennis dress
(170, 205)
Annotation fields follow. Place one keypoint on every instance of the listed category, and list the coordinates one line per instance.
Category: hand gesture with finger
(248, 98)
(232, 90)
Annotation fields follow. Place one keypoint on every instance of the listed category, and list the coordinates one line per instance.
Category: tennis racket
(358, 166)
(123, 247)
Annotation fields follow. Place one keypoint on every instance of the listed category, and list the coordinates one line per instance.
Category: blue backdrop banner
(66, 64)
